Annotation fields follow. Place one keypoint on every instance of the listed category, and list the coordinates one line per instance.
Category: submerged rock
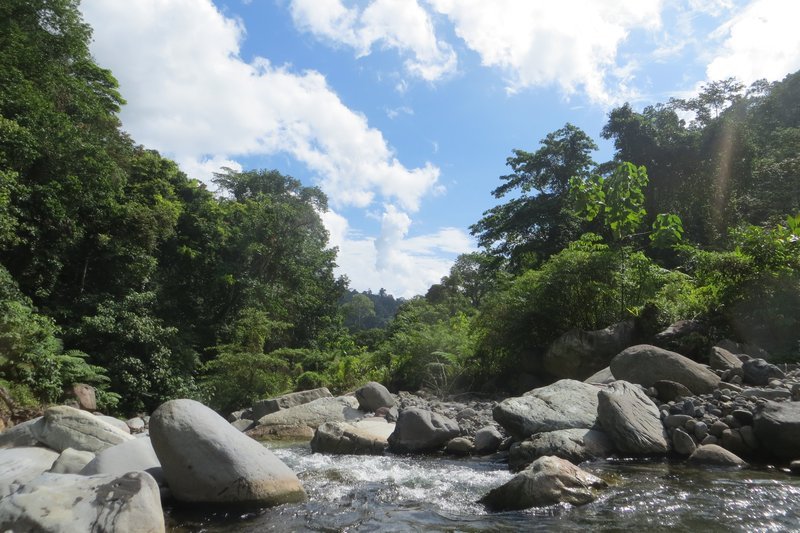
(566, 404)
(205, 459)
(547, 481)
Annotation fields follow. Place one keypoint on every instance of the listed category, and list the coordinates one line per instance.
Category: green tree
(538, 222)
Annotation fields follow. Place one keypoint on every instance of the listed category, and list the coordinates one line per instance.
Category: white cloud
(403, 25)
(571, 43)
(192, 96)
(761, 41)
(393, 113)
(405, 265)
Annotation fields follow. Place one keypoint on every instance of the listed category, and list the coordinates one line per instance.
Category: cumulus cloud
(405, 265)
(572, 44)
(761, 41)
(192, 96)
(402, 25)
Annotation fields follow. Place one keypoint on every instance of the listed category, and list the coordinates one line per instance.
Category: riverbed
(405, 493)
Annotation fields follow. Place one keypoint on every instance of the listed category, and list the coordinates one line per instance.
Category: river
(393, 493)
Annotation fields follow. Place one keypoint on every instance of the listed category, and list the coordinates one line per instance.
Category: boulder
(711, 454)
(721, 359)
(645, 364)
(566, 404)
(135, 455)
(69, 502)
(343, 438)
(682, 442)
(759, 372)
(372, 396)
(547, 481)
(459, 446)
(242, 424)
(310, 415)
(273, 405)
(631, 419)
(116, 422)
(749, 350)
(601, 377)
(766, 394)
(418, 430)
(71, 461)
(668, 391)
(20, 465)
(66, 427)
(23, 434)
(205, 459)
(487, 440)
(575, 445)
(375, 425)
(85, 396)
(578, 354)
(777, 428)
(684, 336)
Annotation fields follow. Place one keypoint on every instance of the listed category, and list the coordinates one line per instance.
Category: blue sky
(404, 111)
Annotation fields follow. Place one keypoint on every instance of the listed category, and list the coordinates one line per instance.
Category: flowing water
(392, 493)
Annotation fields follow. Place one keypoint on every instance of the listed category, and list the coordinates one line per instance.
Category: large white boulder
(344, 438)
(23, 464)
(71, 461)
(566, 404)
(70, 502)
(65, 427)
(135, 455)
(205, 459)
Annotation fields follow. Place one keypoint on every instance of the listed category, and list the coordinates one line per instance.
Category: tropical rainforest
(119, 271)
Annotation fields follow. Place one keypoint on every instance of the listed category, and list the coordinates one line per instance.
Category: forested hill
(118, 270)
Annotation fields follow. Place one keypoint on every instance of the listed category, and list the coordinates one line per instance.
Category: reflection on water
(390, 493)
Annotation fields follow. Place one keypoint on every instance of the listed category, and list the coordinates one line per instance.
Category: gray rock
(419, 430)
(760, 372)
(794, 466)
(676, 421)
(547, 481)
(205, 459)
(668, 391)
(700, 430)
(749, 437)
(135, 424)
(69, 502)
(575, 445)
(343, 438)
(135, 455)
(601, 377)
(732, 441)
(487, 440)
(23, 434)
(777, 428)
(722, 359)
(84, 396)
(631, 420)
(682, 442)
(711, 454)
(645, 365)
(767, 394)
(116, 422)
(683, 336)
(242, 424)
(717, 428)
(740, 349)
(578, 354)
(459, 446)
(372, 396)
(71, 461)
(262, 408)
(566, 404)
(66, 427)
(313, 414)
(23, 464)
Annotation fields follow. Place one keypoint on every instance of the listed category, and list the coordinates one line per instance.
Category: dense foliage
(118, 270)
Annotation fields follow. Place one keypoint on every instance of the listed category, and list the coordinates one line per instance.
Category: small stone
(717, 428)
(460, 446)
(682, 442)
(690, 425)
(701, 430)
(731, 422)
(732, 440)
(744, 416)
(676, 421)
(709, 439)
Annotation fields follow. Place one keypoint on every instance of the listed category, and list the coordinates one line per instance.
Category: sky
(404, 111)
